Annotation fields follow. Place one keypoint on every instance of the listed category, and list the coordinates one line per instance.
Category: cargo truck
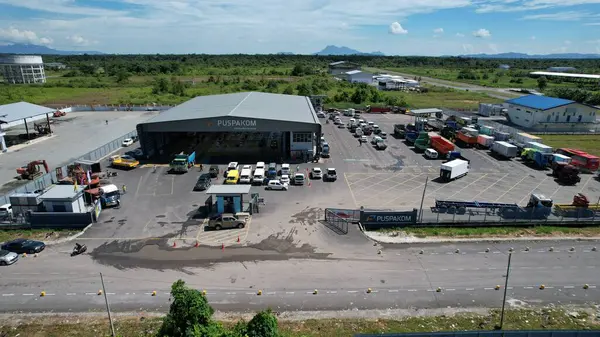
(442, 145)
(504, 149)
(486, 130)
(565, 173)
(536, 158)
(422, 143)
(484, 141)
(539, 147)
(410, 137)
(182, 162)
(467, 137)
(501, 136)
(454, 169)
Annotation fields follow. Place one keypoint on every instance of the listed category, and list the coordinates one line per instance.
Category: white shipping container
(504, 149)
(454, 169)
(540, 147)
(525, 138)
(485, 140)
(470, 131)
(560, 158)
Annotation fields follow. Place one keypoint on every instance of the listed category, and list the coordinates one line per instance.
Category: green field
(481, 232)
(526, 319)
(587, 143)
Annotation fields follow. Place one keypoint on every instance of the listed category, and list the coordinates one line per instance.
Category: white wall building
(358, 76)
(535, 111)
(22, 69)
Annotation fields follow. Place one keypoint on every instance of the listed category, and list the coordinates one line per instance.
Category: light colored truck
(227, 220)
(454, 169)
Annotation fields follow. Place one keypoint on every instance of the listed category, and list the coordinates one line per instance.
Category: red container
(441, 144)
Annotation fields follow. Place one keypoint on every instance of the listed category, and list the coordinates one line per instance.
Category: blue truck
(182, 162)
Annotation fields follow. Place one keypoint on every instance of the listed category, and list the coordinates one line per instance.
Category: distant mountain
(285, 53)
(335, 50)
(527, 56)
(18, 48)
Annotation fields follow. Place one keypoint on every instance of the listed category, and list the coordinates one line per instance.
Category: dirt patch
(156, 253)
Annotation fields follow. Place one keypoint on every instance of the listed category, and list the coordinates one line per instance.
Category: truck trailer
(504, 149)
(442, 145)
(454, 169)
(484, 141)
(182, 162)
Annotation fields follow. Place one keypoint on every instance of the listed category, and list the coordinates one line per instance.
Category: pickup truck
(226, 220)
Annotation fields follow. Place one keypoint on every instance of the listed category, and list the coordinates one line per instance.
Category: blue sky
(395, 27)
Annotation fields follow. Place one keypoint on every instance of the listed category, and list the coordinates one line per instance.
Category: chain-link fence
(336, 222)
(483, 333)
(48, 179)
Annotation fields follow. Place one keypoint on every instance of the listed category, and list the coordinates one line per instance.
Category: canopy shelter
(12, 114)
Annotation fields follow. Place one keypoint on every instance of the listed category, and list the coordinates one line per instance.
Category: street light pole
(112, 326)
(422, 199)
(505, 290)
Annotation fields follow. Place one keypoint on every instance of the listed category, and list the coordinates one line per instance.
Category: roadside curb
(69, 238)
(435, 240)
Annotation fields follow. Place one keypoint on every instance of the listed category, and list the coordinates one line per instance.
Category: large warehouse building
(549, 112)
(248, 126)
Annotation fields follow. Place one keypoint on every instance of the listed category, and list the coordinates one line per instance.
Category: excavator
(580, 202)
(32, 170)
(77, 174)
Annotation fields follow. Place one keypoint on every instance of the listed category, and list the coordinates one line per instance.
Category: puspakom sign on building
(237, 124)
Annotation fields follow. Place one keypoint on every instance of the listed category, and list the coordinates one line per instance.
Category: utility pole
(112, 326)
(505, 290)
(422, 199)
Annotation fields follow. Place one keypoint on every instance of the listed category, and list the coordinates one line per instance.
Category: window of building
(518, 109)
(528, 111)
(565, 113)
(579, 118)
(302, 137)
(556, 119)
(568, 118)
(548, 118)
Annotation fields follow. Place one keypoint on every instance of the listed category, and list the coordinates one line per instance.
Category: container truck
(422, 143)
(540, 147)
(377, 109)
(399, 131)
(565, 173)
(484, 141)
(501, 136)
(456, 155)
(182, 162)
(560, 158)
(538, 207)
(467, 137)
(504, 149)
(410, 137)
(442, 145)
(454, 169)
(524, 138)
(583, 160)
(537, 158)
(486, 130)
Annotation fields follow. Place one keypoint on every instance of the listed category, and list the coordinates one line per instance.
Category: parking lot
(395, 178)
(74, 135)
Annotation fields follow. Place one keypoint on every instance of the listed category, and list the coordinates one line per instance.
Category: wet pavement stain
(308, 216)
(156, 253)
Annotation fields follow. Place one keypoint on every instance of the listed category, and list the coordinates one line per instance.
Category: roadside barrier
(42, 294)
(154, 293)
(259, 292)
(542, 287)
(315, 292)
(99, 292)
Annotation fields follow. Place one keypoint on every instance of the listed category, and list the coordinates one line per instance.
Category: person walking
(106, 122)
(359, 142)
(124, 189)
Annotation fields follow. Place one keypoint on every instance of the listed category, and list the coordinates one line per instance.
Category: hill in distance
(527, 56)
(19, 48)
(335, 50)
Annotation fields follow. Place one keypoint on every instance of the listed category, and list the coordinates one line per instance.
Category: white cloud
(396, 29)
(79, 40)
(460, 35)
(494, 6)
(23, 36)
(61, 7)
(561, 16)
(493, 47)
(467, 48)
(439, 31)
(482, 33)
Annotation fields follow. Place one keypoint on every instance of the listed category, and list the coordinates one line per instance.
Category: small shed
(64, 198)
(229, 197)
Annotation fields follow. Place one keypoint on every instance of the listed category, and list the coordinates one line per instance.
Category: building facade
(22, 69)
(542, 112)
(357, 76)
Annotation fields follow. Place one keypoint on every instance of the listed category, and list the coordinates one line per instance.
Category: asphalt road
(399, 277)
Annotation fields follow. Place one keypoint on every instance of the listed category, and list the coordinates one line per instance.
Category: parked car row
(10, 250)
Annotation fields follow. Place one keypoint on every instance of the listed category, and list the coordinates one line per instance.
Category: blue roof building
(539, 102)
(549, 113)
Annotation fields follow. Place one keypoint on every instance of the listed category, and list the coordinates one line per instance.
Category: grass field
(138, 90)
(587, 143)
(480, 232)
(35, 234)
(525, 319)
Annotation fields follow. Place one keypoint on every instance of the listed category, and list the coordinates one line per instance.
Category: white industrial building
(535, 111)
(22, 69)
(341, 67)
(358, 76)
(390, 82)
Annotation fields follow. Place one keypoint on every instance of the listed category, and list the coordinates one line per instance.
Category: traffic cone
(174, 244)
(222, 246)
(196, 244)
(238, 240)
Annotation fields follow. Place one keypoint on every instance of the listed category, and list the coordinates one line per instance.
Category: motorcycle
(78, 249)
(111, 173)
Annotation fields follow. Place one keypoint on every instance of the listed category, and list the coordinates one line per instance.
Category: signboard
(237, 124)
(369, 218)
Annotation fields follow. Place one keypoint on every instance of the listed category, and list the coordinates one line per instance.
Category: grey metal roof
(228, 189)
(17, 111)
(337, 63)
(62, 192)
(255, 105)
(425, 111)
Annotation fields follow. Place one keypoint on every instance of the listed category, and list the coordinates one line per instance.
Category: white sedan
(277, 185)
(285, 179)
(316, 173)
(127, 142)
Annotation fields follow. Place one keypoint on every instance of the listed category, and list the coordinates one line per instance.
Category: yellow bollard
(457, 251)
(154, 293)
(315, 292)
(586, 286)
(497, 287)
(368, 290)
(487, 250)
(259, 292)
(421, 252)
(551, 249)
(542, 287)
(203, 292)
(24, 254)
(42, 294)
(438, 290)
(99, 292)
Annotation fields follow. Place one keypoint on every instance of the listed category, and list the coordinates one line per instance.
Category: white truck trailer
(454, 169)
(504, 149)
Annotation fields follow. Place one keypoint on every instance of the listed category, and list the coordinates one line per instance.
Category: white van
(6, 211)
(260, 165)
(431, 154)
(351, 122)
(246, 176)
(285, 169)
(259, 176)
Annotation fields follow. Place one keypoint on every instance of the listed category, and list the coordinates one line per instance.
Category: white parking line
(487, 188)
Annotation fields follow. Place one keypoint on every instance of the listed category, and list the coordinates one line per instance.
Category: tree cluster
(190, 315)
(577, 95)
(163, 86)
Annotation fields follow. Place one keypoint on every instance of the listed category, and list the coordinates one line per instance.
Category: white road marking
(27, 294)
(289, 292)
(470, 289)
(528, 287)
(488, 288)
(568, 287)
(412, 290)
(352, 291)
(450, 289)
(393, 291)
(271, 293)
(8, 294)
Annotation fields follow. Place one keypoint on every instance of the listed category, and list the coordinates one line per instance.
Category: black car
(214, 171)
(203, 183)
(21, 246)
